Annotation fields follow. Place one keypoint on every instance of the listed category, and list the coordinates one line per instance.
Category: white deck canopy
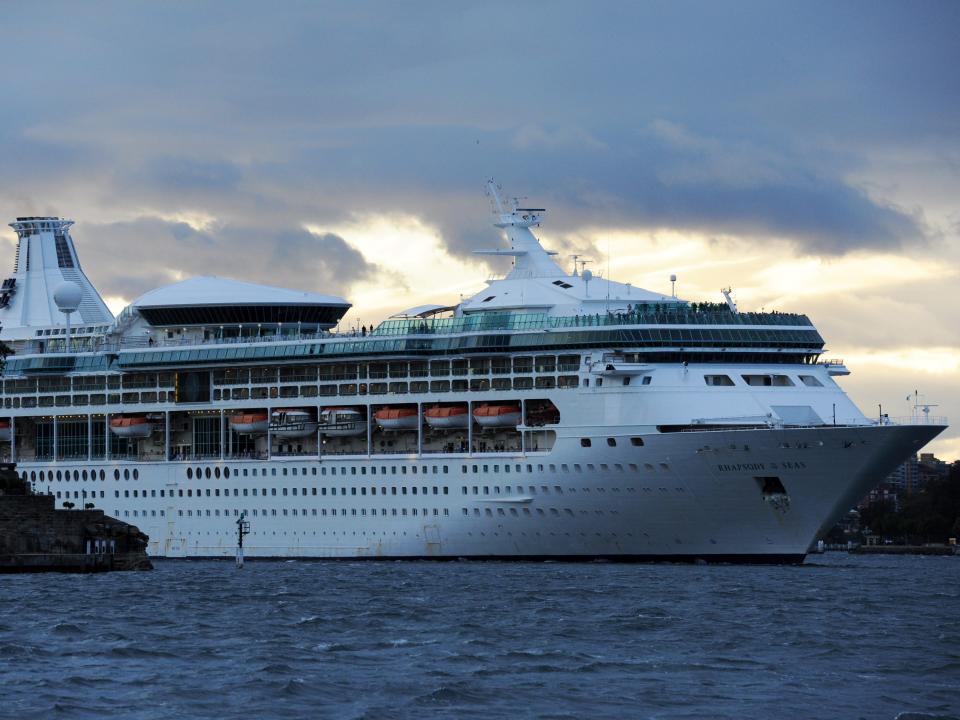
(220, 301)
(423, 311)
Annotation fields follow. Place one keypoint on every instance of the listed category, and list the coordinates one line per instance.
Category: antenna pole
(495, 194)
(608, 274)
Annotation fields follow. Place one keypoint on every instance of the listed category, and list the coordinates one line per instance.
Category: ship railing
(643, 315)
(918, 419)
(487, 322)
(151, 342)
(652, 314)
(762, 423)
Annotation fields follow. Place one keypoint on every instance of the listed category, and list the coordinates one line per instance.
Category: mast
(530, 259)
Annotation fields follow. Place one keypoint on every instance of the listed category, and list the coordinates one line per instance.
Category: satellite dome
(67, 296)
(587, 276)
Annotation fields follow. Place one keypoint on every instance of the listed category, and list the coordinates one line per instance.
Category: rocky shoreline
(36, 537)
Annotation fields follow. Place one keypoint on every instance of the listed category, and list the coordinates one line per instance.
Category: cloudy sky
(808, 154)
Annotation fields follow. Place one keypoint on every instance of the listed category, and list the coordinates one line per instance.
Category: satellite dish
(67, 296)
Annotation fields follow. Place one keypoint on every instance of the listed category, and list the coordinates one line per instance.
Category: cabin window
(636, 441)
(810, 381)
(612, 442)
(768, 380)
(647, 379)
(585, 442)
(718, 380)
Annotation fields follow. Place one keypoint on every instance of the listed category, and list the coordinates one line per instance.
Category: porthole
(207, 473)
(136, 474)
(103, 475)
(84, 475)
(41, 476)
(116, 474)
(189, 473)
(59, 475)
(216, 472)
(33, 476)
(226, 473)
(585, 442)
(126, 474)
(612, 442)
(76, 476)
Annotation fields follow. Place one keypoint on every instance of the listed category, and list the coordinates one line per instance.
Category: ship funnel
(47, 279)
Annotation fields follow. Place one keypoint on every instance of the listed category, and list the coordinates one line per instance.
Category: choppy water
(842, 637)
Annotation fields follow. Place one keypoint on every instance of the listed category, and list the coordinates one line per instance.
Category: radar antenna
(919, 407)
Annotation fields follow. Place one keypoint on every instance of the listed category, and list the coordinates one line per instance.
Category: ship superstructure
(552, 415)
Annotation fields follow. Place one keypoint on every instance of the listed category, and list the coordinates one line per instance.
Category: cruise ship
(554, 415)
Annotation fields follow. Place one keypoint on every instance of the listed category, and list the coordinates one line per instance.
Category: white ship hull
(700, 500)
(651, 427)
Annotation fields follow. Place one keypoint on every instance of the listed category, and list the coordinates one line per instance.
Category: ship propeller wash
(553, 415)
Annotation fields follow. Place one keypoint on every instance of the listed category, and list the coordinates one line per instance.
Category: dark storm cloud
(130, 258)
(745, 118)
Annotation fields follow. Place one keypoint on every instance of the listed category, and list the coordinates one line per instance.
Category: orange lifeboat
(497, 415)
(5, 431)
(250, 423)
(397, 418)
(448, 418)
(131, 426)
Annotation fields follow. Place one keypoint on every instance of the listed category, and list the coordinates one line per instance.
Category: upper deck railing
(688, 327)
(480, 322)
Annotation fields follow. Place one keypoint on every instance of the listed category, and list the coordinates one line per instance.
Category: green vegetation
(929, 516)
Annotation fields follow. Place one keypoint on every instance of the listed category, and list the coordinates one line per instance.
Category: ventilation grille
(64, 257)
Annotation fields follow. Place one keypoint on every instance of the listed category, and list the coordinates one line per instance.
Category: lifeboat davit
(131, 426)
(497, 415)
(292, 423)
(5, 432)
(448, 418)
(250, 423)
(397, 418)
(342, 422)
